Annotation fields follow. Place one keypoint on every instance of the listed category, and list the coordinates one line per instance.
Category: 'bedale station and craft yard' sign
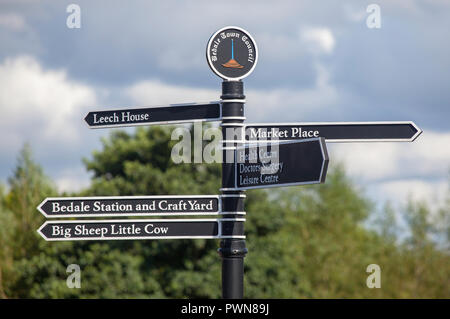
(130, 206)
(265, 155)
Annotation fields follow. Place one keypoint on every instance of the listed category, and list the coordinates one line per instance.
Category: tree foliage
(304, 242)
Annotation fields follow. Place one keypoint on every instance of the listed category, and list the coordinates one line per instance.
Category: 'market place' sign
(404, 131)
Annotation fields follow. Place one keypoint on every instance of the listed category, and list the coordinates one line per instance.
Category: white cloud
(45, 100)
(286, 47)
(284, 104)
(399, 191)
(318, 39)
(279, 47)
(46, 108)
(427, 157)
(72, 179)
(354, 13)
(12, 21)
(396, 171)
(262, 104)
(154, 92)
(176, 60)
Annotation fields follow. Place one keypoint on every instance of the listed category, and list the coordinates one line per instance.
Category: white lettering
(151, 229)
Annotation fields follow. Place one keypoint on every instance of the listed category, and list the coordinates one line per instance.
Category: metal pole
(232, 251)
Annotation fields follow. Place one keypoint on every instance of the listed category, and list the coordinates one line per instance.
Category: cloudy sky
(318, 61)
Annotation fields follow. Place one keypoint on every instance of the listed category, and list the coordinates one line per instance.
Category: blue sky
(318, 61)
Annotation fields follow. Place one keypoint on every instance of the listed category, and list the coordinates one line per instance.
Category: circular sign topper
(232, 53)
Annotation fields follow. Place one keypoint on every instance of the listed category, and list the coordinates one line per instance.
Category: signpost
(176, 113)
(281, 164)
(295, 154)
(124, 229)
(335, 131)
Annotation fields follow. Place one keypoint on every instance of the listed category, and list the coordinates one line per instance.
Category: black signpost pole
(232, 251)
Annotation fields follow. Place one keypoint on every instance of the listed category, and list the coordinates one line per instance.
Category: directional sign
(281, 164)
(177, 113)
(335, 131)
(55, 207)
(142, 229)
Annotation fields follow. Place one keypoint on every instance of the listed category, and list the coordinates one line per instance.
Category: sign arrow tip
(39, 231)
(326, 159)
(86, 117)
(418, 131)
(39, 208)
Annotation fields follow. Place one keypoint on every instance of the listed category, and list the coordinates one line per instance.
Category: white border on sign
(208, 56)
(100, 221)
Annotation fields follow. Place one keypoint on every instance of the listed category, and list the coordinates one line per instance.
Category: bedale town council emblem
(232, 53)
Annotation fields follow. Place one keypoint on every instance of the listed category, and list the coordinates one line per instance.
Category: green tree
(19, 217)
(5, 244)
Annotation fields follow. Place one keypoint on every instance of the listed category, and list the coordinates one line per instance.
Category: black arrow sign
(129, 206)
(335, 131)
(281, 164)
(177, 113)
(142, 229)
